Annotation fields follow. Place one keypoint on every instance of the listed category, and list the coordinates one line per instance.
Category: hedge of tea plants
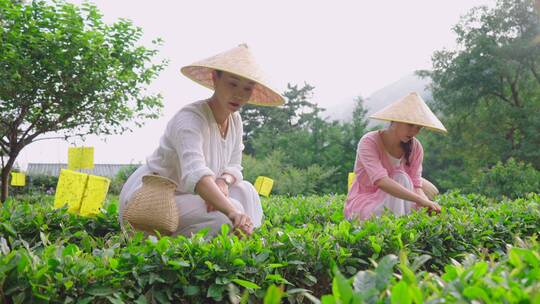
(303, 251)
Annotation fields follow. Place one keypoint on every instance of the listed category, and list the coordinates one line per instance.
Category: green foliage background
(486, 92)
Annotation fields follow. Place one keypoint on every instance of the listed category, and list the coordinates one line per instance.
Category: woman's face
(232, 91)
(405, 131)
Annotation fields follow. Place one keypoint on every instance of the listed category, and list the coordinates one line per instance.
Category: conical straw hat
(238, 61)
(411, 109)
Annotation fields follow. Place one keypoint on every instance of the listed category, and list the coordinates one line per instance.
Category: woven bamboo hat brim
(238, 61)
(411, 109)
(153, 206)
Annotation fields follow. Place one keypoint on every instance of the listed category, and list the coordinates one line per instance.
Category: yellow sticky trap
(351, 178)
(94, 195)
(80, 158)
(264, 185)
(70, 190)
(18, 179)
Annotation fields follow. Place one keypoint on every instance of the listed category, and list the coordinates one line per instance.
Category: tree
(344, 155)
(263, 122)
(354, 130)
(488, 89)
(64, 70)
(309, 143)
(359, 118)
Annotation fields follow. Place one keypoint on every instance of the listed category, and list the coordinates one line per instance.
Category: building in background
(51, 169)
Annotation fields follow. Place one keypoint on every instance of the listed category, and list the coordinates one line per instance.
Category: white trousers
(396, 205)
(192, 208)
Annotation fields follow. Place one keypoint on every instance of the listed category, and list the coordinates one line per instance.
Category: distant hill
(383, 97)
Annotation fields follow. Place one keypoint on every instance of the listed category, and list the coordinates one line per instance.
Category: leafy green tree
(309, 144)
(512, 179)
(442, 165)
(288, 180)
(488, 91)
(265, 121)
(343, 140)
(63, 70)
(121, 177)
(359, 118)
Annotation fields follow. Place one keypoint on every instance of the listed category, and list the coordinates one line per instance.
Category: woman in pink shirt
(388, 163)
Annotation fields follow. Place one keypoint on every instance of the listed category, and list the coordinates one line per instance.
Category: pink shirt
(373, 163)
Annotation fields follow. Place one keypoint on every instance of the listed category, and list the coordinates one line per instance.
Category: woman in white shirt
(201, 148)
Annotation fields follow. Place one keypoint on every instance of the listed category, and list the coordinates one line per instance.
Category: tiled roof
(107, 170)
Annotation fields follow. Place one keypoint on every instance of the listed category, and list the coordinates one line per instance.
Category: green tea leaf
(476, 293)
(100, 291)
(215, 292)
(341, 288)
(246, 284)
(273, 295)
(400, 294)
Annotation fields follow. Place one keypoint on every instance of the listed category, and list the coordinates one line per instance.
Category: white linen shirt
(192, 147)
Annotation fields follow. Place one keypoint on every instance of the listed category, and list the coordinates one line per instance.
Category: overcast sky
(343, 48)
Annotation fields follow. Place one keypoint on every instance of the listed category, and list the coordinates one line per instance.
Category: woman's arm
(393, 188)
(209, 191)
(421, 192)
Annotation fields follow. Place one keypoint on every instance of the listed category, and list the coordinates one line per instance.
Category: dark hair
(218, 74)
(407, 147)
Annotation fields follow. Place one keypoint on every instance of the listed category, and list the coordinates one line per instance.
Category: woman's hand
(431, 205)
(241, 222)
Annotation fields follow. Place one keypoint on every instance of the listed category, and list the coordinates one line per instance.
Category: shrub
(37, 184)
(120, 178)
(288, 179)
(512, 179)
